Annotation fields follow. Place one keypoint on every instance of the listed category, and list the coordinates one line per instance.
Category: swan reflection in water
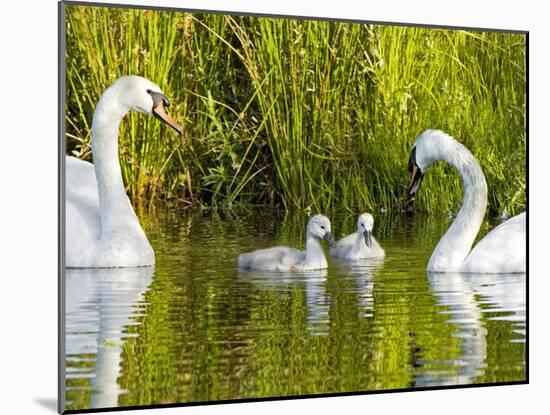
(465, 297)
(362, 271)
(312, 282)
(100, 304)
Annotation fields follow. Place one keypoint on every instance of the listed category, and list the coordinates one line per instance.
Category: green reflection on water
(203, 331)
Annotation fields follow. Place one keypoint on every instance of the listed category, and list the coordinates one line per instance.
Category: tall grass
(300, 113)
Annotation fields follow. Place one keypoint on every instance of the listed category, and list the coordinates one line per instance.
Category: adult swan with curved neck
(102, 229)
(503, 250)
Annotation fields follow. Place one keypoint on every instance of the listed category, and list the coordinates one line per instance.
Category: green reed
(300, 113)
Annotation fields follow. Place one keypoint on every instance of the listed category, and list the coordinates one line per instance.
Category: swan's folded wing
(343, 245)
(80, 181)
(82, 222)
(278, 258)
(503, 250)
(376, 250)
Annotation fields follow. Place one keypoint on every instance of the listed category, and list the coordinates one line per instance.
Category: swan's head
(364, 227)
(426, 150)
(319, 227)
(135, 93)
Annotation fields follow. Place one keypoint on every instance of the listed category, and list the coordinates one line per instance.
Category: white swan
(102, 229)
(503, 250)
(282, 258)
(359, 245)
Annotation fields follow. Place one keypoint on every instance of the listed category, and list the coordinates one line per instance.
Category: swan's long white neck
(113, 201)
(455, 245)
(314, 251)
(359, 242)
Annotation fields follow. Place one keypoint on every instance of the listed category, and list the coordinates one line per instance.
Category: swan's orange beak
(161, 113)
(417, 176)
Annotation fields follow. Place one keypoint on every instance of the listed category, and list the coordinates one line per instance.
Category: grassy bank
(300, 113)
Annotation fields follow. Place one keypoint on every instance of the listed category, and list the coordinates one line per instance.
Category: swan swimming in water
(359, 245)
(102, 230)
(503, 250)
(282, 258)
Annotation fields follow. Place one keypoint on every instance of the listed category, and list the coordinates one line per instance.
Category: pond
(194, 328)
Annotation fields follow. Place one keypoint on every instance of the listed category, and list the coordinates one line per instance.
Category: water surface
(195, 328)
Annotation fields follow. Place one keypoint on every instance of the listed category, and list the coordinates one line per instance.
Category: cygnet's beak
(330, 240)
(368, 238)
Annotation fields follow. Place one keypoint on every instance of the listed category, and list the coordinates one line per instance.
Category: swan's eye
(322, 227)
(362, 225)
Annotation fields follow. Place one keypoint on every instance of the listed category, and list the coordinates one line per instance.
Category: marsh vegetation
(300, 113)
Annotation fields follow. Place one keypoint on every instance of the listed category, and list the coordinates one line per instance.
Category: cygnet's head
(364, 227)
(134, 93)
(427, 149)
(319, 227)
